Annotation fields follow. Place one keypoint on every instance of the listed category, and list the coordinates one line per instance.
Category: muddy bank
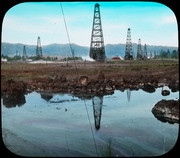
(92, 77)
(13, 92)
(85, 85)
(167, 111)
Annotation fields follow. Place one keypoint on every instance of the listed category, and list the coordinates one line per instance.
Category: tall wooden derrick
(38, 49)
(128, 51)
(97, 50)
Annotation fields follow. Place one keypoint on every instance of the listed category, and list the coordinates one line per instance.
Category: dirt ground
(62, 75)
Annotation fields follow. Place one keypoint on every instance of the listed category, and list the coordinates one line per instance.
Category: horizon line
(89, 46)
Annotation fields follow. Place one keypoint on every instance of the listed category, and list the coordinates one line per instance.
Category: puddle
(121, 124)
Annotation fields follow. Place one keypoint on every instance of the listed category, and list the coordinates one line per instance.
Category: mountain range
(79, 51)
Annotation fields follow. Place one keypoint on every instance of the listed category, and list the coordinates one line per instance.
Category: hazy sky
(153, 23)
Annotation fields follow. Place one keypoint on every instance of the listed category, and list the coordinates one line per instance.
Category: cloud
(52, 20)
(114, 26)
(168, 19)
(32, 25)
(20, 29)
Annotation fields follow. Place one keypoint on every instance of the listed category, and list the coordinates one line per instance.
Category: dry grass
(25, 71)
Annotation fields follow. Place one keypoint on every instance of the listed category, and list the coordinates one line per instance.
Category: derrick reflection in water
(128, 94)
(97, 109)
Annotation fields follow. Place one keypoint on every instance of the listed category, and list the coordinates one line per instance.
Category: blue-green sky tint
(153, 23)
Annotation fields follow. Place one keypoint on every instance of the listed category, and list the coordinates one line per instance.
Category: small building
(116, 58)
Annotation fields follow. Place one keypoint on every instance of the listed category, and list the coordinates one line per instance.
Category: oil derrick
(24, 53)
(155, 55)
(97, 50)
(16, 53)
(128, 52)
(39, 49)
(145, 52)
(150, 55)
(139, 50)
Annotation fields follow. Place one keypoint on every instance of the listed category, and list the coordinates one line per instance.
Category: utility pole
(128, 51)
(97, 50)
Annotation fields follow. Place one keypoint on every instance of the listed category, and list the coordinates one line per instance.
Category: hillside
(64, 50)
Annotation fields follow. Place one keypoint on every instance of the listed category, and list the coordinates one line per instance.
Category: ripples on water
(121, 124)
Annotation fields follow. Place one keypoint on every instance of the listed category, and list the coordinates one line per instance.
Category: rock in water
(165, 92)
(167, 111)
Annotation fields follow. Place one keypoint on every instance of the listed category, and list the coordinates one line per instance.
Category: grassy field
(26, 71)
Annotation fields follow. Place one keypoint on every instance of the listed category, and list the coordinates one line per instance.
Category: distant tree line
(50, 58)
(72, 58)
(18, 58)
(167, 54)
(10, 59)
(34, 58)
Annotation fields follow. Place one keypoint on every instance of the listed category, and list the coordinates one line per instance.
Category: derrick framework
(97, 50)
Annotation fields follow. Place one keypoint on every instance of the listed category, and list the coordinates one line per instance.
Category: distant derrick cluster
(39, 54)
(139, 50)
(97, 47)
(97, 50)
(140, 53)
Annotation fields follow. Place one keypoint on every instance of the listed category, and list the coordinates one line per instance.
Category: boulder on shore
(83, 80)
(167, 111)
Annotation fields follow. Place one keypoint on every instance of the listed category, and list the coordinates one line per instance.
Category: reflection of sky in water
(60, 126)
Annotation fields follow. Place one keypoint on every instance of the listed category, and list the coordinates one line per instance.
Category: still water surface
(121, 124)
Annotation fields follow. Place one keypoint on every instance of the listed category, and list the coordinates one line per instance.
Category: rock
(165, 92)
(167, 111)
(108, 88)
(60, 78)
(101, 88)
(83, 80)
(174, 86)
(148, 88)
